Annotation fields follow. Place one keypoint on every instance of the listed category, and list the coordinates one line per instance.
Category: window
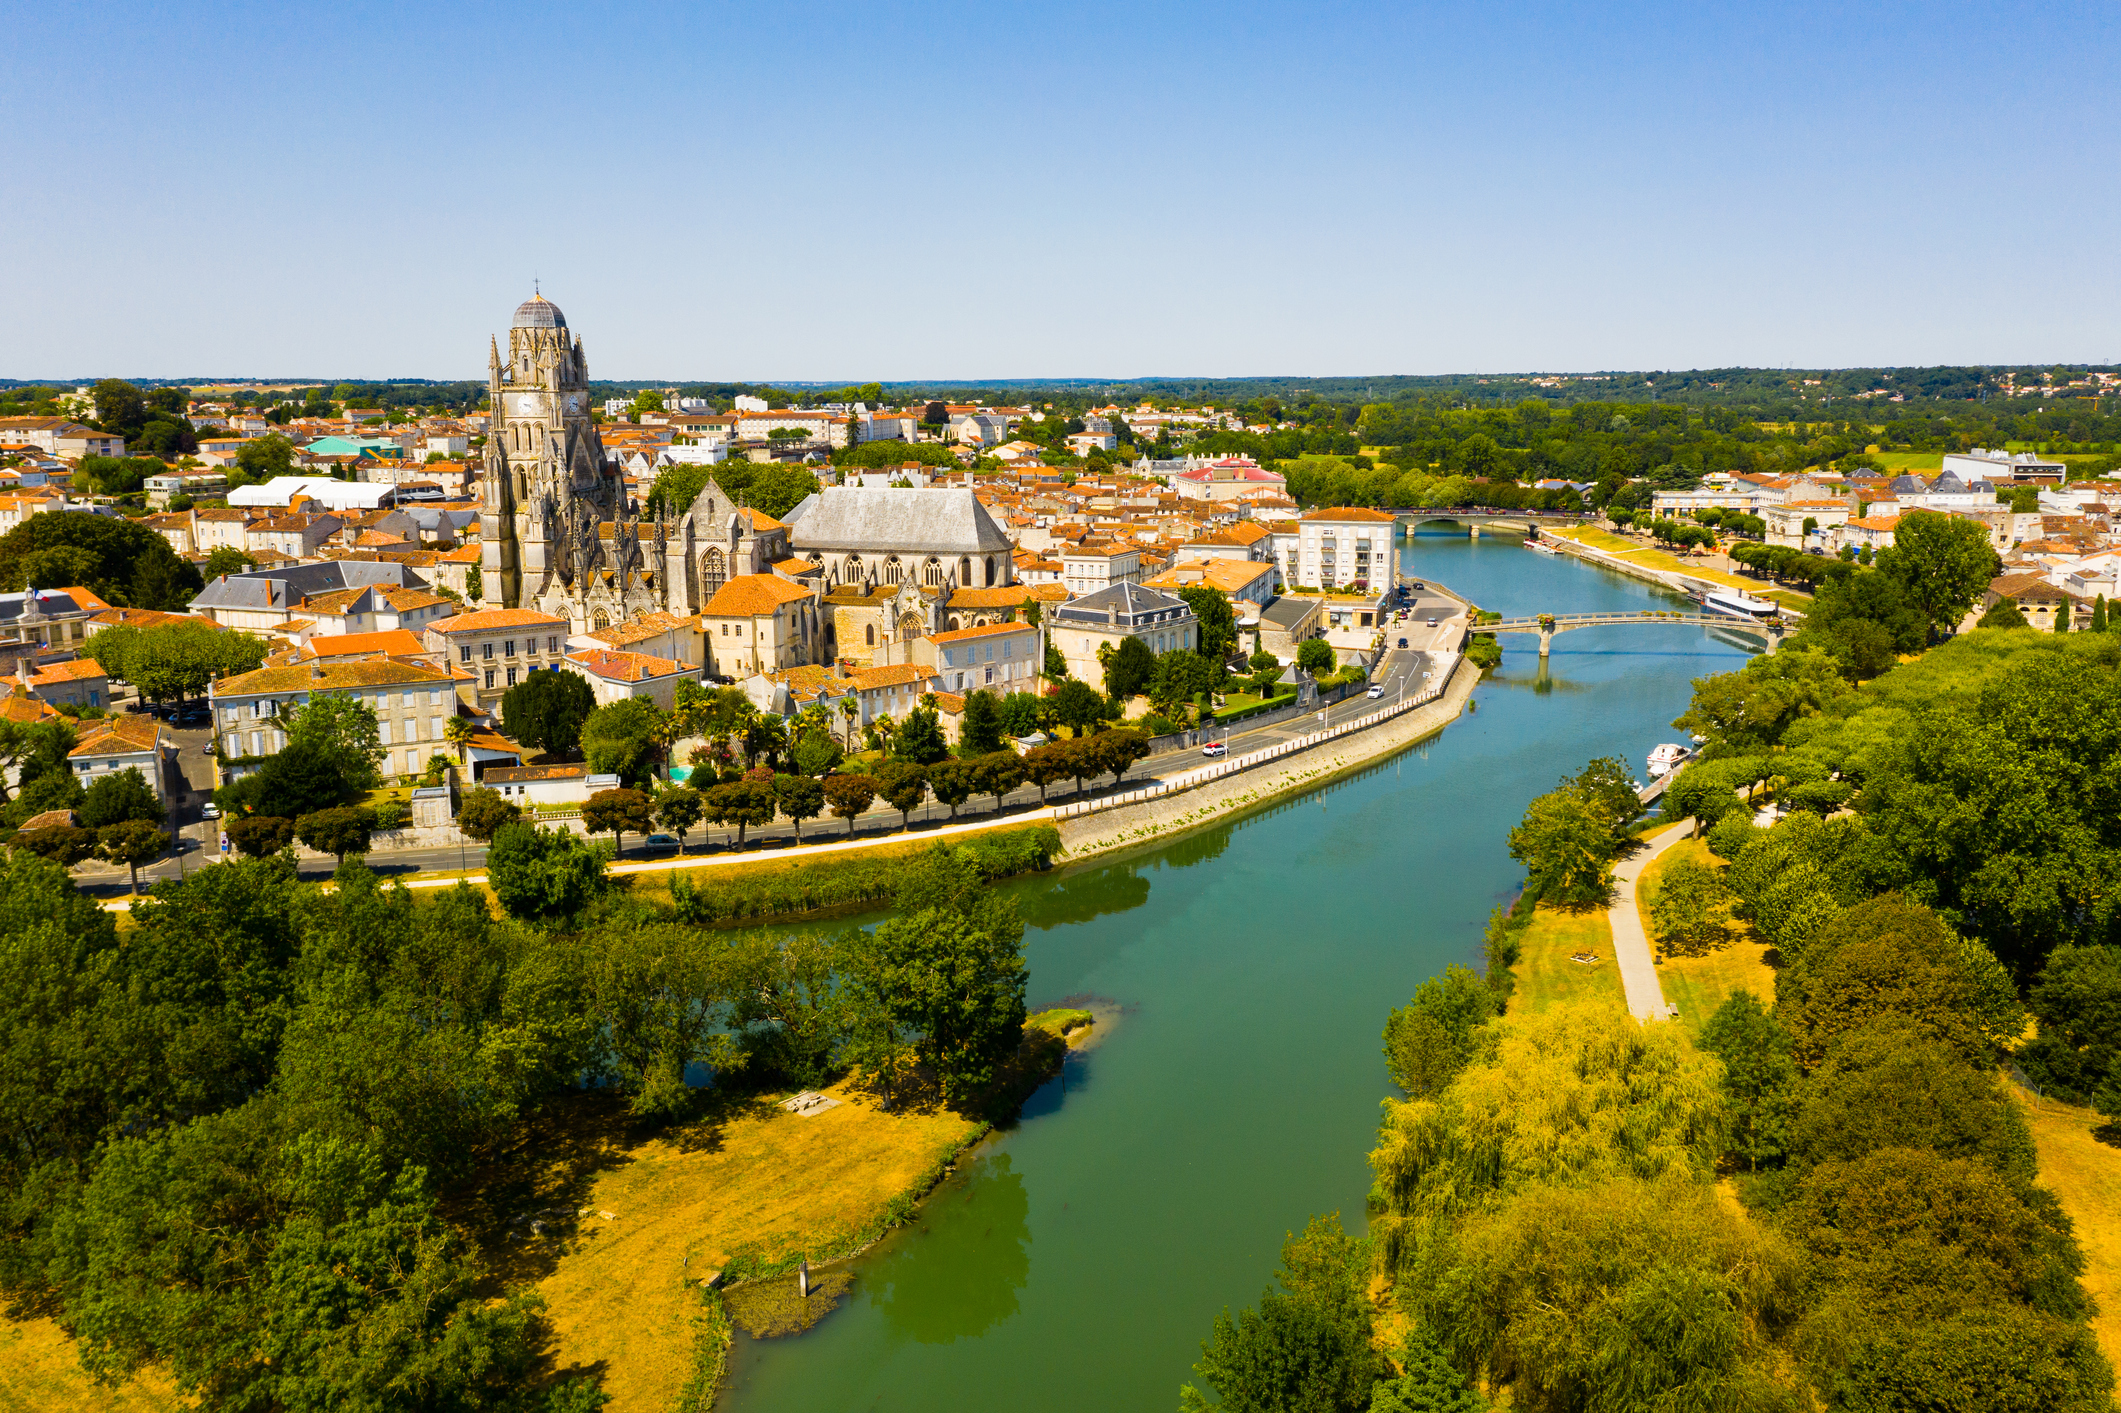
(508, 649)
(552, 645)
(464, 653)
(486, 651)
(257, 743)
(489, 677)
(511, 676)
(434, 728)
(434, 696)
(383, 732)
(261, 708)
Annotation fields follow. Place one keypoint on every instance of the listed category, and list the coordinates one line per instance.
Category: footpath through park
(1631, 945)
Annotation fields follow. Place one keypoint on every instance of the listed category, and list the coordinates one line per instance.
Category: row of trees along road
(262, 1142)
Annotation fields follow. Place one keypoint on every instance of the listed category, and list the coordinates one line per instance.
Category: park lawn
(1659, 559)
(39, 1370)
(1545, 975)
(1244, 701)
(1698, 985)
(2085, 1176)
(1910, 460)
(751, 1173)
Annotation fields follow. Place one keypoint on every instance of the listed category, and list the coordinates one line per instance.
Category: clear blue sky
(940, 190)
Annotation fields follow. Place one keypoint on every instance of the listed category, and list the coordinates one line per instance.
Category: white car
(1377, 689)
(1214, 748)
(209, 810)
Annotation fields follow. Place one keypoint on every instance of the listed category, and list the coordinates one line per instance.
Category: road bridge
(1477, 518)
(1546, 625)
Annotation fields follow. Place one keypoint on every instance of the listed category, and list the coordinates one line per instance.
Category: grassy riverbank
(1546, 974)
(1698, 985)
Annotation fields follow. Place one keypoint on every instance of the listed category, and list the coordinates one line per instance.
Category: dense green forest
(1545, 1209)
(260, 1136)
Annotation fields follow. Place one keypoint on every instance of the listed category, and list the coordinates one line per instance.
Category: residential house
(1087, 568)
(499, 647)
(620, 676)
(1242, 581)
(80, 682)
(671, 635)
(761, 623)
(127, 742)
(1126, 610)
(998, 657)
(412, 701)
(1342, 547)
(264, 600)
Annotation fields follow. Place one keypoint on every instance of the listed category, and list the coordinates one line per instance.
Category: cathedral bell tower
(544, 488)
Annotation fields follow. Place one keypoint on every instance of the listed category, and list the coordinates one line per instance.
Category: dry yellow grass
(1635, 553)
(40, 1371)
(754, 1174)
(1698, 985)
(2085, 1175)
(1545, 975)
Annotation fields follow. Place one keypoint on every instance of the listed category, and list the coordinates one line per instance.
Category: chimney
(22, 676)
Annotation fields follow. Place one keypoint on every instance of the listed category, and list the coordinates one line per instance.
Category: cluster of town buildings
(2059, 543)
(428, 568)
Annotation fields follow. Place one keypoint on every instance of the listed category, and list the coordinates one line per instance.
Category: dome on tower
(538, 312)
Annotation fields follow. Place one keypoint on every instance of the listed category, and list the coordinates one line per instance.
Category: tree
(848, 796)
(996, 773)
(173, 661)
(131, 842)
(815, 752)
(543, 874)
(620, 738)
(1429, 1040)
(1048, 765)
(1181, 676)
(118, 797)
(1315, 656)
(2003, 613)
(920, 740)
(1309, 1347)
(1567, 847)
(743, 803)
(63, 844)
(341, 730)
(260, 836)
(1942, 563)
(226, 559)
(799, 797)
(1759, 1075)
(903, 785)
(1078, 707)
(2099, 619)
(133, 564)
(457, 731)
(262, 458)
(1217, 635)
(1116, 751)
(982, 728)
(949, 969)
(678, 809)
(1688, 909)
(545, 711)
(1131, 669)
(2077, 1055)
(1056, 668)
(474, 584)
(483, 810)
(1428, 1382)
(952, 782)
(618, 813)
(1019, 714)
(339, 832)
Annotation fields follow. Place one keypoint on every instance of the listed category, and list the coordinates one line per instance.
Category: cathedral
(558, 533)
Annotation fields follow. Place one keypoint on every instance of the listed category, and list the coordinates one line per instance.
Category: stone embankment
(1162, 817)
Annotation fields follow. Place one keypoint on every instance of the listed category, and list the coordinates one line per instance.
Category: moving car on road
(1377, 689)
(1214, 748)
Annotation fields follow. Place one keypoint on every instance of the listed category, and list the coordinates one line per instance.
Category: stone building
(937, 538)
(1163, 622)
(558, 534)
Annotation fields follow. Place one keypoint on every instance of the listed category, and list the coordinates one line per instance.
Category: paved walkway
(1631, 945)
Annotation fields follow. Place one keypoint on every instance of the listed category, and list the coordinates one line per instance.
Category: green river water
(1076, 1261)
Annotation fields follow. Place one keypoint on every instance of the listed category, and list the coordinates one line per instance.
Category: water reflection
(958, 1272)
(1081, 897)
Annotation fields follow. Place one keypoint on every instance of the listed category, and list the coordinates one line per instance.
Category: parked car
(1214, 748)
(209, 810)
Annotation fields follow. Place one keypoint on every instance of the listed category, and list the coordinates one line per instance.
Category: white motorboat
(1663, 758)
(1533, 542)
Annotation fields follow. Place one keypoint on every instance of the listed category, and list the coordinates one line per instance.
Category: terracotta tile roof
(626, 667)
(406, 600)
(644, 627)
(868, 679)
(149, 618)
(488, 620)
(1006, 596)
(399, 642)
(984, 630)
(52, 819)
(1349, 512)
(119, 736)
(52, 674)
(336, 674)
(26, 710)
(752, 596)
(527, 774)
(760, 520)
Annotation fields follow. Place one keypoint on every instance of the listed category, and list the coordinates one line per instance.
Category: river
(1077, 1261)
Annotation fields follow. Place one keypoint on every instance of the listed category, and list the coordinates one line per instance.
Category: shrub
(851, 882)
(543, 874)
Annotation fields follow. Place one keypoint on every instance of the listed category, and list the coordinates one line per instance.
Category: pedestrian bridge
(1546, 625)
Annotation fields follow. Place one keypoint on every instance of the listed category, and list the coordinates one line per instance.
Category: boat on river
(1665, 758)
(1533, 542)
(1737, 603)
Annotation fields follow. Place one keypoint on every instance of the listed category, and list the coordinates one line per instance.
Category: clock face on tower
(574, 402)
